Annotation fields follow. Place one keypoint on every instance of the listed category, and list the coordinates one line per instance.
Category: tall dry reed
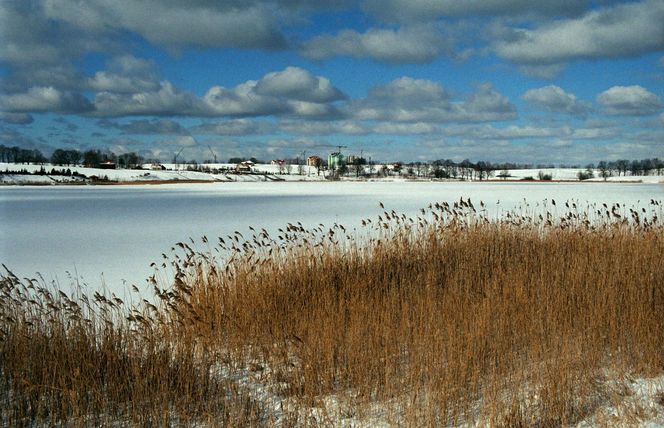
(443, 318)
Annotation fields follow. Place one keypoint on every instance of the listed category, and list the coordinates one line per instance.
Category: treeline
(64, 157)
(447, 168)
(18, 155)
(43, 171)
(93, 158)
(652, 166)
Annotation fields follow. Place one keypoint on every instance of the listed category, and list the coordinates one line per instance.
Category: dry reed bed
(445, 318)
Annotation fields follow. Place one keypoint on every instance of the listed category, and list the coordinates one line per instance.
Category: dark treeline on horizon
(441, 168)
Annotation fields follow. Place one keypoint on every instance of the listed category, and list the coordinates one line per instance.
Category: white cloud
(423, 10)
(29, 39)
(405, 128)
(594, 134)
(293, 91)
(354, 127)
(298, 84)
(242, 101)
(232, 127)
(554, 99)
(210, 24)
(106, 82)
(44, 41)
(629, 101)
(167, 100)
(146, 127)
(623, 30)
(487, 104)
(312, 110)
(415, 100)
(45, 99)
(507, 133)
(412, 44)
(126, 74)
(513, 132)
(183, 141)
(324, 127)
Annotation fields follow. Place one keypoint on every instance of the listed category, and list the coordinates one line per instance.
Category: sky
(547, 81)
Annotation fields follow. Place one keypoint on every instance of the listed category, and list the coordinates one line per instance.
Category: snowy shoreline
(49, 175)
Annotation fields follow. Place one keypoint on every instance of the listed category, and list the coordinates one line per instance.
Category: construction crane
(175, 158)
(339, 147)
(214, 155)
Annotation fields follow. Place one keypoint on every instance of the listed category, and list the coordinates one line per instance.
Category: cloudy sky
(547, 81)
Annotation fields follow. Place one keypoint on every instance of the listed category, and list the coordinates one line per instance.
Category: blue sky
(564, 81)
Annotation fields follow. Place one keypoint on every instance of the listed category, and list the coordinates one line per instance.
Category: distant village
(333, 166)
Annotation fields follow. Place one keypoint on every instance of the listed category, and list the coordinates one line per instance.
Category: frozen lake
(115, 232)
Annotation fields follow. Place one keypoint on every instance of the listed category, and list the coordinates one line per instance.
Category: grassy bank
(446, 318)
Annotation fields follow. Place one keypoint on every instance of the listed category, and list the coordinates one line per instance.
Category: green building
(335, 160)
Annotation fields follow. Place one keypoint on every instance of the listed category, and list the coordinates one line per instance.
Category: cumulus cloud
(207, 24)
(629, 101)
(411, 44)
(355, 127)
(298, 84)
(126, 74)
(513, 132)
(242, 101)
(508, 133)
(106, 82)
(232, 127)
(290, 92)
(45, 99)
(293, 91)
(421, 10)
(487, 104)
(146, 127)
(167, 100)
(594, 134)
(43, 41)
(324, 128)
(417, 100)
(183, 141)
(619, 31)
(405, 128)
(29, 39)
(554, 99)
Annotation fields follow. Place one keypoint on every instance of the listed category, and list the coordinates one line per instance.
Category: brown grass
(450, 317)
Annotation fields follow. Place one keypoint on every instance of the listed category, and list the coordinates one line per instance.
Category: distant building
(395, 166)
(157, 167)
(279, 162)
(107, 165)
(335, 160)
(244, 167)
(313, 160)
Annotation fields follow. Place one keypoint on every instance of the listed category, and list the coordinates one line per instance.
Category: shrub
(544, 177)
